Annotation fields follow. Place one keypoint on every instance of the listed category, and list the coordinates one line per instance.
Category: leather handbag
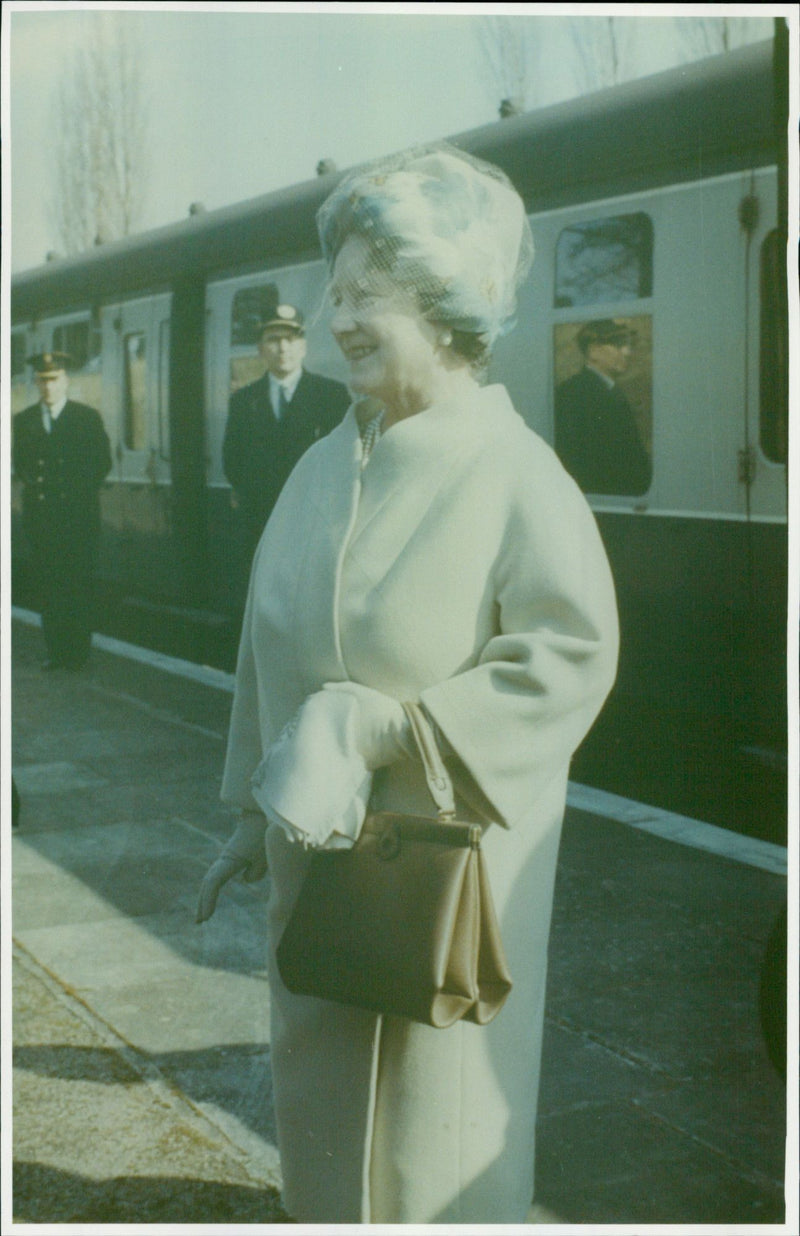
(403, 923)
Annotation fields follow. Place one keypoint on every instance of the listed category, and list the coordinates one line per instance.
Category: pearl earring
(446, 339)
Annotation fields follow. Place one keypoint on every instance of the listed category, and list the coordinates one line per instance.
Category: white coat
(461, 567)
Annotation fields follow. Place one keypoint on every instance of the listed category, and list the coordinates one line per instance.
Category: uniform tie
(283, 402)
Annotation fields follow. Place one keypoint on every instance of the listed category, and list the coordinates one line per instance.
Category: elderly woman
(430, 549)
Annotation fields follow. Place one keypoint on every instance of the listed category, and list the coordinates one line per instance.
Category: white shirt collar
(610, 383)
(51, 414)
(289, 386)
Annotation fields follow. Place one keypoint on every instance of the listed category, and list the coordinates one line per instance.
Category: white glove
(244, 853)
(315, 779)
(382, 730)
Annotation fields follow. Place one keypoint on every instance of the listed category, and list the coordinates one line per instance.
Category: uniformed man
(61, 454)
(273, 421)
(596, 436)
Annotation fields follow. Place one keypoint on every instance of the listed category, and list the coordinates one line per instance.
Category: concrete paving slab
(117, 717)
(198, 1010)
(135, 840)
(154, 1156)
(31, 872)
(138, 805)
(149, 872)
(234, 1077)
(674, 1032)
(54, 778)
(135, 979)
(590, 1161)
(123, 875)
(175, 761)
(145, 888)
(715, 1116)
(106, 804)
(98, 954)
(61, 910)
(638, 877)
(116, 745)
(581, 1070)
(155, 1003)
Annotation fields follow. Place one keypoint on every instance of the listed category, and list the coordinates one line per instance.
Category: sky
(244, 99)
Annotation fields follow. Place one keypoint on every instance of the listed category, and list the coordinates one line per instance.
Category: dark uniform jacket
(596, 437)
(260, 451)
(61, 472)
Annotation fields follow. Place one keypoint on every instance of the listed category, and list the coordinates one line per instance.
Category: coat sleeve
(574, 441)
(244, 753)
(233, 443)
(23, 458)
(101, 455)
(515, 718)
(328, 400)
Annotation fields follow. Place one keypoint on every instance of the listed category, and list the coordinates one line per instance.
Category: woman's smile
(391, 348)
(354, 354)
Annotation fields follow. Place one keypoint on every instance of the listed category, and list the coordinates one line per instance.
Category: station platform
(141, 1040)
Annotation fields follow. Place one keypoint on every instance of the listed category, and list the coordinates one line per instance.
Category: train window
(774, 352)
(251, 306)
(79, 340)
(18, 355)
(605, 260)
(603, 403)
(135, 391)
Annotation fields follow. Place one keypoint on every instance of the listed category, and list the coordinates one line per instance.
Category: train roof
(698, 120)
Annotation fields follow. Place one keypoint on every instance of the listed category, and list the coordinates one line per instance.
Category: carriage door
(136, 341)
(762, 476)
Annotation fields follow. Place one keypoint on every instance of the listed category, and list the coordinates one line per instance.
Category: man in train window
(596, 436)
(62, 455)
(273, 421)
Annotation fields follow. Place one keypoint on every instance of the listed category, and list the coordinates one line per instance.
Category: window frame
(645, 271)
(773, 350)
(631, 308)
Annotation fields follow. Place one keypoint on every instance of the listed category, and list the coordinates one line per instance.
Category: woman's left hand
(244, 853)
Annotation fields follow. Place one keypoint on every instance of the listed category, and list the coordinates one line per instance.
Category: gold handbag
(404, 922)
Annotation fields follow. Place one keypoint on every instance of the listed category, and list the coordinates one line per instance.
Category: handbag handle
(437, 776)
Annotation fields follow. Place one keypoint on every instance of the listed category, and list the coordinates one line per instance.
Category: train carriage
(659, 203)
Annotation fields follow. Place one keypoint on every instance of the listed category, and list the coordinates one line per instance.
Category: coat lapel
(261, 402)
(299, 406)
(63, 422)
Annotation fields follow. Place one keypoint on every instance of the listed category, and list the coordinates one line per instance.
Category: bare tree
(710, 36)
(599, 47)
(100, 123)
(502, 41)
